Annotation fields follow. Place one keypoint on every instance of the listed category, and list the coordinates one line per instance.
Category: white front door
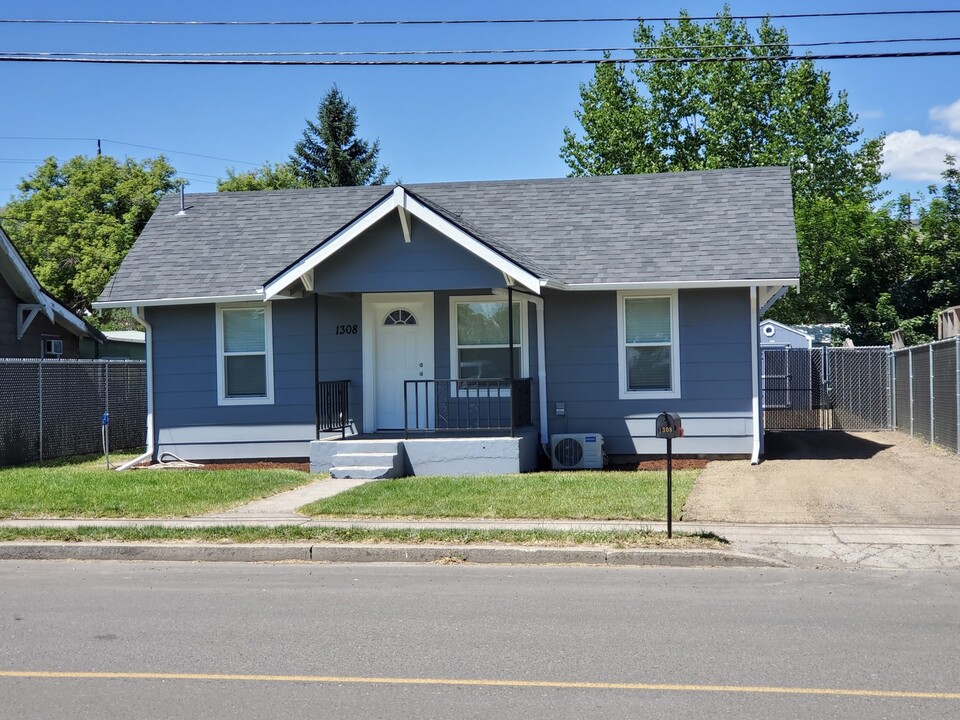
(400, 349)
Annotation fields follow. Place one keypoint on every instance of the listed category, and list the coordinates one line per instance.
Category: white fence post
(910, 366)
(956, 348)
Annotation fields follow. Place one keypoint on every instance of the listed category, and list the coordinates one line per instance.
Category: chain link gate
(826, 388)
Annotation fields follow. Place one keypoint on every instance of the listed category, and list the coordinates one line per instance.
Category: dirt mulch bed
(661, 464)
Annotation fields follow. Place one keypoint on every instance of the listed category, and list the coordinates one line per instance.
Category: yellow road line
(656, 687)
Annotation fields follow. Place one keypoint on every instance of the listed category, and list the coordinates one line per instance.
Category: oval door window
(400, 317)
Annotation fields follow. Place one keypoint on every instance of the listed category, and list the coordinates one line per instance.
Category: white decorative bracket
(400, 196)
(25, 315)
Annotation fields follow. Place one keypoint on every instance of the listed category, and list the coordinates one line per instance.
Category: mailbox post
(669, 427)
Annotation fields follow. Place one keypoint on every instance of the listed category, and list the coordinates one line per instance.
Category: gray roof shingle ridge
(712, 225)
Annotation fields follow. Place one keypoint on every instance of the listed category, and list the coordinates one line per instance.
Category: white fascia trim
(66, 317)
(678, 284)
(45, 302)
(470, 243)
(399, 200)
(256, 297)
(360, 225)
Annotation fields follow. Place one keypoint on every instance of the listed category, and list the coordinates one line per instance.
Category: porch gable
(406, 206)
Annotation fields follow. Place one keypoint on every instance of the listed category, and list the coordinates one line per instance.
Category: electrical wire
(464, 63)
(473, 21)
(120, 142)
(494, 51)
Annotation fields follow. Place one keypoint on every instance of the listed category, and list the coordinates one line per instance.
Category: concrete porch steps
(367, 460)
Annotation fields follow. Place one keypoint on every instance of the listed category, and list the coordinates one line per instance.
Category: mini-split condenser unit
(575, 452)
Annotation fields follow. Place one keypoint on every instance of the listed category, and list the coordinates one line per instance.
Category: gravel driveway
(833, 477)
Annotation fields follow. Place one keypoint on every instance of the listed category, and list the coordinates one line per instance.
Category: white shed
(777, 335)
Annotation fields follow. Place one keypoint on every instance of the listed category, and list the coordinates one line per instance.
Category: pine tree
(330, 154)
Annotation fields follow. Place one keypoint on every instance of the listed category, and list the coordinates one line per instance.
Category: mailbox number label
(346, 330)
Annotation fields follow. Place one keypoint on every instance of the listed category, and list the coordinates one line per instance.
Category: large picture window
(244, 347)
(649, 357)
(480, 330)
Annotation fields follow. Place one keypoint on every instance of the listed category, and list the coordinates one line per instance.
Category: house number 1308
(346, 330)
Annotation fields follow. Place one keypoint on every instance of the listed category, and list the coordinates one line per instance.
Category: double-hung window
(480, 333)
(649, 359)
(244, 354)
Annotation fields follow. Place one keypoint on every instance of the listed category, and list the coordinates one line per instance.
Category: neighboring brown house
(33, 324)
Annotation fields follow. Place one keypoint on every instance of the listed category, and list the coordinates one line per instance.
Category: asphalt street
(179, 640)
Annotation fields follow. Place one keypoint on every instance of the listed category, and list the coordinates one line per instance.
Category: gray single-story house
(33, 323)
(458, 327)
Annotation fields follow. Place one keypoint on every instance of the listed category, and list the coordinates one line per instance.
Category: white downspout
(137, 313)
(541, 371)
(755, 375)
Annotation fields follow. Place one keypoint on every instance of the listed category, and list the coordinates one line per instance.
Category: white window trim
(524, 369)
(222, 398)
(625, 392)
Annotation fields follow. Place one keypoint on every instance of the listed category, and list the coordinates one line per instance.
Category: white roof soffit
(401, 201)
(763, 284)
(252, 297)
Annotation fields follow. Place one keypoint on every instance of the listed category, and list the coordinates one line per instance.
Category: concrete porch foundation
(426, 456)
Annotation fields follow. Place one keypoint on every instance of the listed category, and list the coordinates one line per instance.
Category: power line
(472, 21)
(438, 63)
(493, 51)
(120, 142)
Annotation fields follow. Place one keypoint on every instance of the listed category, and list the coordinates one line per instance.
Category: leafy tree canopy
(279, 176)
(330, 154)
(74, 222)
(736, 113)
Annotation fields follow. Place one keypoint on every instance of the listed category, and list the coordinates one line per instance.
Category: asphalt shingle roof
(699, 226)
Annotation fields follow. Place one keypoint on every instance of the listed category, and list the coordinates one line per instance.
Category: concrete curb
(362, 553)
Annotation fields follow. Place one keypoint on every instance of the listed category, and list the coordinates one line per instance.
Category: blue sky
(434, 124)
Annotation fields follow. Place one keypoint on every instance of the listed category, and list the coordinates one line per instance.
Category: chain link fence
(54, 408)
(826, 388)
(926, 391)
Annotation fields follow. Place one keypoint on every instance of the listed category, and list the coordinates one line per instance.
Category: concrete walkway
(804, 545)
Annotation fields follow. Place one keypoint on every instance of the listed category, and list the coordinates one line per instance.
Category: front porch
(451, 427)
(384, 455)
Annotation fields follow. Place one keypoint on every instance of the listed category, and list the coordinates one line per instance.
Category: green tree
(934, 281)
(742, 112)
(278, 176)
(686, 112)
(74, 222)
(330, 155)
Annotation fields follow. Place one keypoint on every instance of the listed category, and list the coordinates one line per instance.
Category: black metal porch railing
(333, 406)
(466, 405)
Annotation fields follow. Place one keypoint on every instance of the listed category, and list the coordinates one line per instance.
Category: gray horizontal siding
(381, 261)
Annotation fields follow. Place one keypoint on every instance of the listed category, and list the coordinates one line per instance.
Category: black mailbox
(669, 426)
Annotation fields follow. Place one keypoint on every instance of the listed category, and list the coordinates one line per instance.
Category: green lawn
(596, 495)
(83, 487)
